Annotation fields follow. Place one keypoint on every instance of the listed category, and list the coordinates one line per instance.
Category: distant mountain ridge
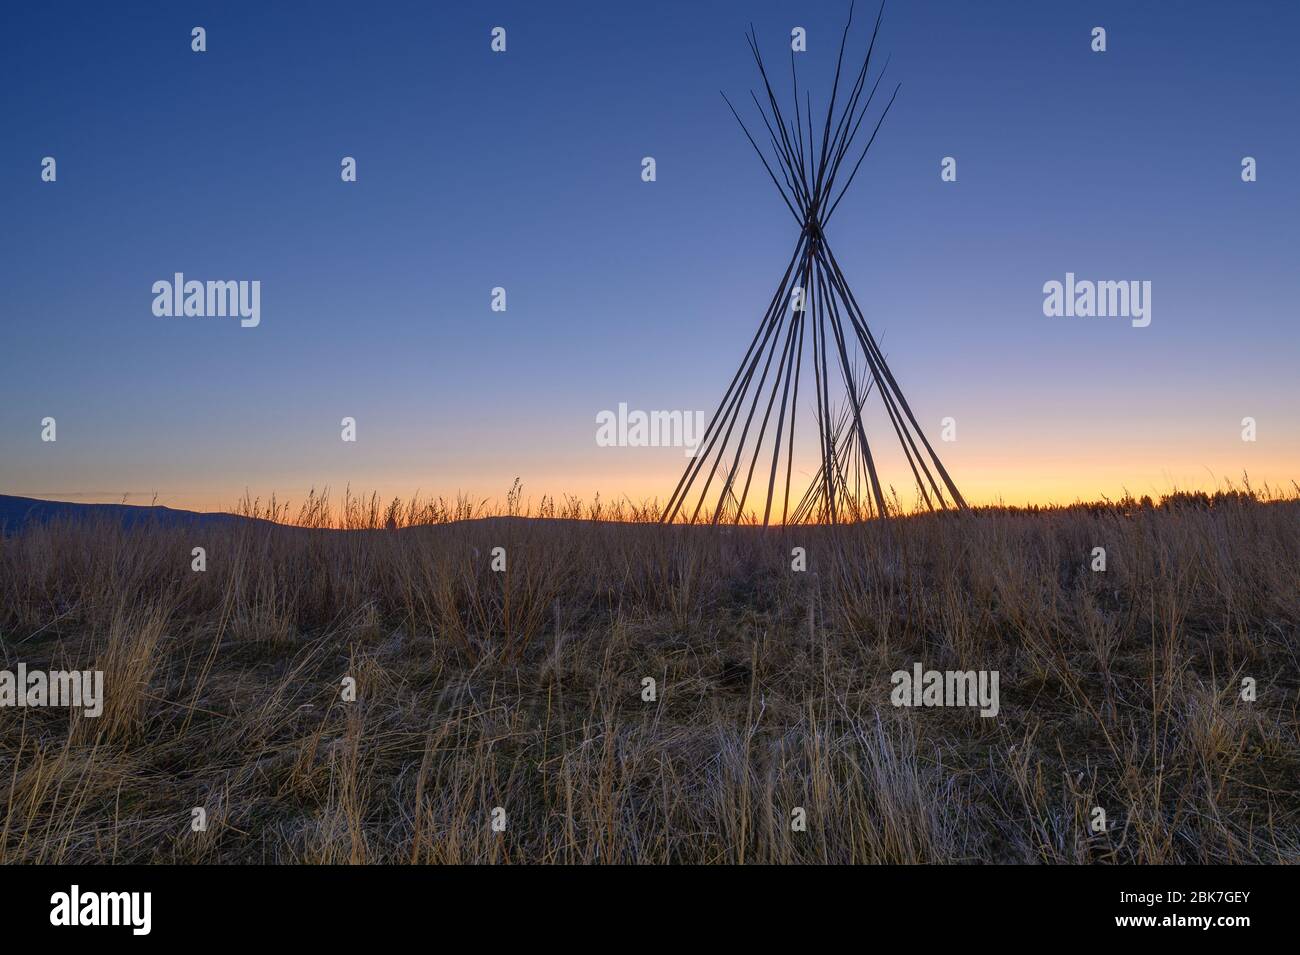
(17, 512)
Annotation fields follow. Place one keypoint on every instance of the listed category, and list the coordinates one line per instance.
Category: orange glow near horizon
(1048, 480)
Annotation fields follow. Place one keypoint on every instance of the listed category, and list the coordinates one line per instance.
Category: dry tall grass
(522, 689)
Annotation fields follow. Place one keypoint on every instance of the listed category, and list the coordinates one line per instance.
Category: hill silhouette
(17, 512)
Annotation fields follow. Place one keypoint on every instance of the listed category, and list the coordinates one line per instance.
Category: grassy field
(523, 689)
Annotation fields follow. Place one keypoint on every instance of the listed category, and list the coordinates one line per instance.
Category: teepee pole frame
(805, 169)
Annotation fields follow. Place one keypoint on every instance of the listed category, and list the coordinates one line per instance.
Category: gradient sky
(523, 170)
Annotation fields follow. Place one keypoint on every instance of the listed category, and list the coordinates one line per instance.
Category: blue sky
(522, 170)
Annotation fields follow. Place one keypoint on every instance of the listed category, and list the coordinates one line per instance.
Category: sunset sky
(523, 170)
